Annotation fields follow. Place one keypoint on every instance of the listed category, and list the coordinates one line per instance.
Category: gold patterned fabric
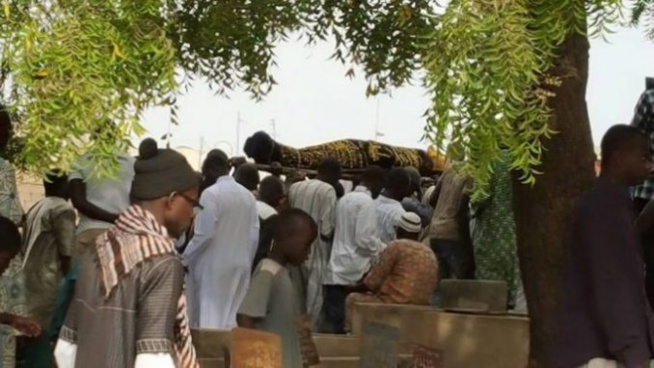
(351, 153)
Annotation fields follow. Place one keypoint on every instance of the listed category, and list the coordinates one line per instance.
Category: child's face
(298, 246)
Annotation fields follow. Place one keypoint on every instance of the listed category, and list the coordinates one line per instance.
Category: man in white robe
(317, 197)
(221, 252)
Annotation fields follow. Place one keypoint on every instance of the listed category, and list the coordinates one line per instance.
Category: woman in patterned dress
(10, 206)
(12, 295)
(494, 234)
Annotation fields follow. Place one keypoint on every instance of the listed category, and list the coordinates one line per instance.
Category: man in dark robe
(604, 318)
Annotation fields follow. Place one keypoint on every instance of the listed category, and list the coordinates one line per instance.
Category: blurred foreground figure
(604, 318)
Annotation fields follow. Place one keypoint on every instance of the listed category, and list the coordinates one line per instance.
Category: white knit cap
(410, 222)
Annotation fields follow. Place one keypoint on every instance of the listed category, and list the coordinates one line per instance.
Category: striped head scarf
(136, 237)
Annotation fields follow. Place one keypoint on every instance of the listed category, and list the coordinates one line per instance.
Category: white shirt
(111, 195)
(265, 211)
(426, 198)
(220, 254)
(356, 240)
(389, 214)
(318, 199)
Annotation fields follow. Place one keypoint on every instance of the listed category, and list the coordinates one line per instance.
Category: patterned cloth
(351, 153)
(405, 273)
(494, 234)
(12, 301)
(137, 237)
(644, 120)
(139, 275)
(10, 206)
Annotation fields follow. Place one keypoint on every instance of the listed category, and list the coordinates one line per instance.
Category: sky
(315, 103)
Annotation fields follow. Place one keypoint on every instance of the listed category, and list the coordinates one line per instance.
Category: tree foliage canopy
(73, 65)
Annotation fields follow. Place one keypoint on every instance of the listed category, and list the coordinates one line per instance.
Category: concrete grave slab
(480, 295)
(467, 340)
(379, 346)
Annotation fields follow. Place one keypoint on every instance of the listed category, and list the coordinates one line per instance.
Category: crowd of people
(115, 272)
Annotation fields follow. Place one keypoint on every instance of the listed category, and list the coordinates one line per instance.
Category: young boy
(271, 303)
(604, 319)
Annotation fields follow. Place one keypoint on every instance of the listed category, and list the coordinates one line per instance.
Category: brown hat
(160, 172)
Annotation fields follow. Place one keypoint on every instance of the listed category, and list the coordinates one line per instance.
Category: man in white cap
(405, 274)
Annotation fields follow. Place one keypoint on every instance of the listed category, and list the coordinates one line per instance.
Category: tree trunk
(543, 212)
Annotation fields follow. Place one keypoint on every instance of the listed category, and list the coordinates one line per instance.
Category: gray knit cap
(159, 172)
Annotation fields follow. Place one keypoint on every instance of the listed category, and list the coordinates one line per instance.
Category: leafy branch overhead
(74, 65)
(642, 13)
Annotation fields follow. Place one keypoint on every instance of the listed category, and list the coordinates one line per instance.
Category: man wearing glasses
(129, 308)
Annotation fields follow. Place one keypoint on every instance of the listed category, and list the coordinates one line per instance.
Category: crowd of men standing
(233, 237)
(160, 249)
(236, 230)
